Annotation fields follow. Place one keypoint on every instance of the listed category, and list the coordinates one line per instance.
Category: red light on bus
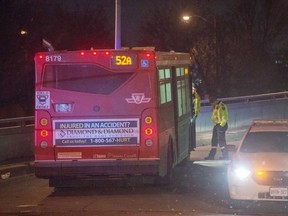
(41, 57)
(107, 53)
(148, 54)
(148, 131)
(44, 133)
(82, 53)
(94, 53)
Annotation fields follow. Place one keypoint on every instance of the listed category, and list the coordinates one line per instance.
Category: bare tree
(236, 55)
(253, 29)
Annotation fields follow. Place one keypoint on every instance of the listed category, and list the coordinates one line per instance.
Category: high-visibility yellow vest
(220, 114)
(196, 102)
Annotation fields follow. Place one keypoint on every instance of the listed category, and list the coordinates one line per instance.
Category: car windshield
(265, 142)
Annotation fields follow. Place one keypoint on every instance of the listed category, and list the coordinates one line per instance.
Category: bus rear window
(87, 78)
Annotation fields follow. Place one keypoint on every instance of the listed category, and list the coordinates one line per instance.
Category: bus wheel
(167, 179)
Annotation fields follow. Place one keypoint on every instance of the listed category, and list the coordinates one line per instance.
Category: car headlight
(241, 173)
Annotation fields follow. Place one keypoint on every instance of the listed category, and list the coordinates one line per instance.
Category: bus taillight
(43, 122)
(148, 120)
(148, 131)
(44, 133)
(148, 142)
(44, 144)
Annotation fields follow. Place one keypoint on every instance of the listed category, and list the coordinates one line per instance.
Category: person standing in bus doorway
(195, 111)
(220, 119)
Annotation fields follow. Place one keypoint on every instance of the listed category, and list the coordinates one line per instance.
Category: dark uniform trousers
(218, 138)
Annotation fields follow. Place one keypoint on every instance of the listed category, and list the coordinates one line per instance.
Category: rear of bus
(95, 114)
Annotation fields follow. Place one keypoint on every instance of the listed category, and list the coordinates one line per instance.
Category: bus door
(182, 97)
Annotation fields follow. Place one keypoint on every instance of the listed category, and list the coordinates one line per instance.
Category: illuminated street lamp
(187, 19)
(23, 32)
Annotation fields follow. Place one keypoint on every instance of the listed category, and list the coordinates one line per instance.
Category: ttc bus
(111, 113)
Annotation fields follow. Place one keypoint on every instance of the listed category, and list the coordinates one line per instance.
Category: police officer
(196, 102)
(195, 111)
(220, 119)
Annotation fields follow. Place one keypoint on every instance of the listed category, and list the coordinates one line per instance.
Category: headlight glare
(241, 173)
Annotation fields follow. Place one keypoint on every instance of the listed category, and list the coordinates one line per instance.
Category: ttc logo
(138, 98)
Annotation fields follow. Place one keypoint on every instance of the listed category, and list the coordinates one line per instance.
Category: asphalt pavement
(21, 166)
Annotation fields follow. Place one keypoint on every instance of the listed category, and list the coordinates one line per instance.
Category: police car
(259, 168)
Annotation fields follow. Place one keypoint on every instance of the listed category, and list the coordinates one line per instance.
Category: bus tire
(167, 179)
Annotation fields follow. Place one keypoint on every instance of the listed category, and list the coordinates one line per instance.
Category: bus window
(165, 85)
(182, 91)
(87, 78)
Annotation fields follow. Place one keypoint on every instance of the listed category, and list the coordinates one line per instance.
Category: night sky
(133, 14)
(238, 55)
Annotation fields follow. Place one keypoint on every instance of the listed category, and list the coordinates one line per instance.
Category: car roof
(269, 125)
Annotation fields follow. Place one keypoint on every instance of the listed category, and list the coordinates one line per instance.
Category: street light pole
(213, 23)
(117, 24)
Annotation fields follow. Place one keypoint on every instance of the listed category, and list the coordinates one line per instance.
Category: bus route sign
(96, 132)
(124, 60)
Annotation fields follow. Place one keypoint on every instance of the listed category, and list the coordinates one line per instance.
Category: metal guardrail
(14, 123)
(16, 138)
(249, 98)
(242, 110)
(29, 120)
